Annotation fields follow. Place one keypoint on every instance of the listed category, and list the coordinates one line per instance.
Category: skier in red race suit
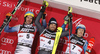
(26, 33)
(77, 43)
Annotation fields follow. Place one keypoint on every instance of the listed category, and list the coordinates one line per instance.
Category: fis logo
(77, 22)
(7, 40)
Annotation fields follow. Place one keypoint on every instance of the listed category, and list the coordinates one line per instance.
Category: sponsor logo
(48, 47)
(75, 41)
(7, 40)
(86, 35)
(42, 40)
(26, 41)
(92, 1)
(49, 35)
(20, 35)
(4, 52)
(53, 22)
(6, 4)
(90, 45)
(26, 30)
(33, 37)
(79, 50)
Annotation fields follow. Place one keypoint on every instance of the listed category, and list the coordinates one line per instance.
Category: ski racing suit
(78, 44)
(26, 34)
(47, 37)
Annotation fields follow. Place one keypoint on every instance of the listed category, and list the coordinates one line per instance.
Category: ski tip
(69, 9)
(45, 3)
(59, 29)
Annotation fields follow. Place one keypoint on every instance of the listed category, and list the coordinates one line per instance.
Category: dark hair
(83, 33)
(32, 20)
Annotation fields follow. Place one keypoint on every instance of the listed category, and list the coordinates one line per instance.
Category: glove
(65, 22)
(66, 18)
(7, 17)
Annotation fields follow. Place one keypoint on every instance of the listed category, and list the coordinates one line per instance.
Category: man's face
(80, 32)
(28, 19)
(52, 27)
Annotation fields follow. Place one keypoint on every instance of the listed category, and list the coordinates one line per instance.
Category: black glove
(66, 18)
(43, 8)
(70, 15)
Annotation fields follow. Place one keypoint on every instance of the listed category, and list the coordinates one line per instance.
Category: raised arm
(37, 21)
(44, 20)
(66, 33)
(10, 29)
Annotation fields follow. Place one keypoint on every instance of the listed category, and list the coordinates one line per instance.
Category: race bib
(26, 38)
(46, 43)
(74, 49)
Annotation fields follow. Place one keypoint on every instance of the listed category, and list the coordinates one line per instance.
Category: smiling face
(52, 27)
(28, 19)
(80, 32)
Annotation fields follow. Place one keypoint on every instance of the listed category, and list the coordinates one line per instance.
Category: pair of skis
(5, 23)
(90, 45)
(58, 34)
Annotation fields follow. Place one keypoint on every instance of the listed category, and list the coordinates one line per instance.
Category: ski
(70, 20)
(90, 45)
(58, 34)
(5, 23)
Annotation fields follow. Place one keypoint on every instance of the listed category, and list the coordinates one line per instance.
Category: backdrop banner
(8, 41)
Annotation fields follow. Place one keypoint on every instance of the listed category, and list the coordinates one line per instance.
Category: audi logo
(7, 40)
(86, 35)
(4, 52)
